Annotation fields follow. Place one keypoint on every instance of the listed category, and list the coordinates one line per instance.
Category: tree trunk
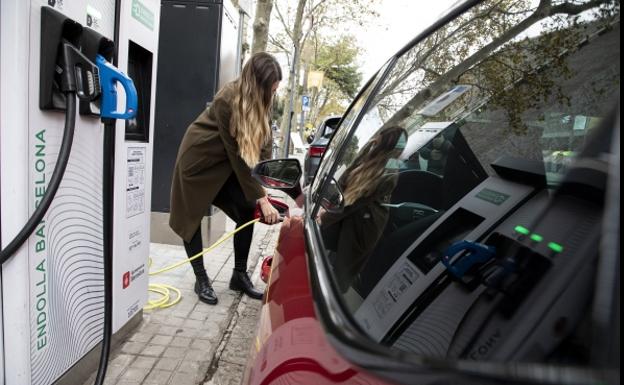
(261, 25)
(296, 38)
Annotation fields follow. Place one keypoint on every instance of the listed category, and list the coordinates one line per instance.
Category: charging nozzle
(78, 74)
(109, 77)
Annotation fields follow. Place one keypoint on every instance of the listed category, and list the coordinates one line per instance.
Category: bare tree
(310, 17)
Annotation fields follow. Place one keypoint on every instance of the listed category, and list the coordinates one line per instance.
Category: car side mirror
(280, 174)
(332, 199)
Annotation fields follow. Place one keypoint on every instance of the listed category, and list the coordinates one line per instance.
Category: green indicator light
(536, 237)
(557, 248)
(522, 230)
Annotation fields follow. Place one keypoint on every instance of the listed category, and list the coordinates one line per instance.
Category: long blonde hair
(365, 174)
(249, 123)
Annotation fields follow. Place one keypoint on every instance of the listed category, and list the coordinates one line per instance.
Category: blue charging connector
(109, 77)
(475, 253)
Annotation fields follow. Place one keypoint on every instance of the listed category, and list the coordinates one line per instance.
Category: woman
(214, 164)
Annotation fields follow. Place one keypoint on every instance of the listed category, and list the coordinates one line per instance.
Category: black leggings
(233, 203)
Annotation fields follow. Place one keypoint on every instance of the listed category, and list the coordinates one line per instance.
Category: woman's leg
(202, 284)
(231, 200)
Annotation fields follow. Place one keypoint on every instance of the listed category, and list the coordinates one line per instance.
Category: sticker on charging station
(58, 4)
(135, 182)
(94, 18)
(143, 14)
(395, 289)
(135, 239)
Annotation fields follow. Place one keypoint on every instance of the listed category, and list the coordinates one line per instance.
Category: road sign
(305, 102)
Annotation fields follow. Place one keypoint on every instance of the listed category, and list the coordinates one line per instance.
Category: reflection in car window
(355, 109)
(522, 79)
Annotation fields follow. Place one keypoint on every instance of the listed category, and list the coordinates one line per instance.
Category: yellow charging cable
(165, 290)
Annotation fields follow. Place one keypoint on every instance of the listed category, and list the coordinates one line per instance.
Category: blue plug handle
(476, 253)
(109, 77)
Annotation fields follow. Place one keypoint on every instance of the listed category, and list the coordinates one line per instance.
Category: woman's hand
(270, 214)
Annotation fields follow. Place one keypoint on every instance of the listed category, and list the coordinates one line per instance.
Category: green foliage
(337, 60)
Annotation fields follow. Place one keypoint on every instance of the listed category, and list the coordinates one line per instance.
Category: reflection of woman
(354, 232)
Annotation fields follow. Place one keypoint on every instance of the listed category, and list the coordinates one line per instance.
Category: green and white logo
(143, 14)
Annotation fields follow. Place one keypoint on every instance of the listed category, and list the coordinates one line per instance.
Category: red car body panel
(290, 346)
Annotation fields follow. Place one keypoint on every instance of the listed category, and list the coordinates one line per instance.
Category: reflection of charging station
(52, 286)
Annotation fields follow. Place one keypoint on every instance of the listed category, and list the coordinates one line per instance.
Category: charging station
(52, 287)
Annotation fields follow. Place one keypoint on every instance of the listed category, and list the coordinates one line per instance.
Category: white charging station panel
(133, 166)
(52, 288)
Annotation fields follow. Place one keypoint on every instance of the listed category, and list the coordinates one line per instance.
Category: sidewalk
(194, 343)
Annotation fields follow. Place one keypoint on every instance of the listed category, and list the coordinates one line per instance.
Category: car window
(522, 80)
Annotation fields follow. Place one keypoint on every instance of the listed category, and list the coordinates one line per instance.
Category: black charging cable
(55, 181)
(108, 185)
(79, 77)
(108, 180)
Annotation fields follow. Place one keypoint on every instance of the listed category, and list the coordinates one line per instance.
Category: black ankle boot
(204, 291)
(240, 281)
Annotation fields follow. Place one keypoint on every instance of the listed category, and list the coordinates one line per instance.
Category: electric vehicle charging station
(51, 288)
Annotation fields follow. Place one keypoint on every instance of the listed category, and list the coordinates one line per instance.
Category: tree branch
(284, 23)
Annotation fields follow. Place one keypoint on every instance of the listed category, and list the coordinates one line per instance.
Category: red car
(463, 226)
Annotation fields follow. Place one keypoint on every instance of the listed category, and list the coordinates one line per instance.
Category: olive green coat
(206, 158)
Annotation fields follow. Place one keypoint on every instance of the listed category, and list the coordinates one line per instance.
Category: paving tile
(113, 372)
(127, 382)
(158, 377)
(193, 324)
(161, 340)
(187, 366)
(122, 359)
(199, 316)
(182, 342)
(140, 337)
(134, 374)
(190, 333)
(143, 362)
(173, 352)
(150, 328)
(167, 363)
(132, 347)
(201, 344)
(175, 321)
(153, 350)
(197, 355)
(184, 379)
(168, 330)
